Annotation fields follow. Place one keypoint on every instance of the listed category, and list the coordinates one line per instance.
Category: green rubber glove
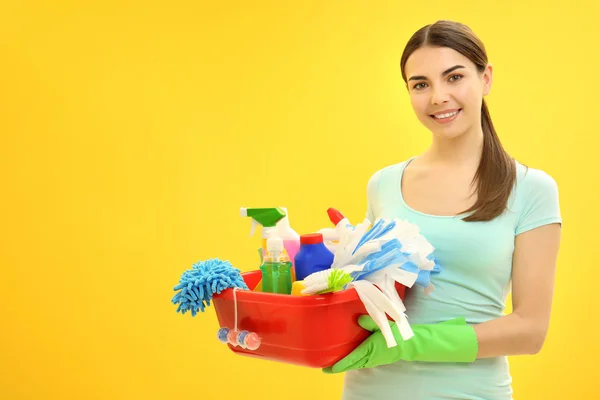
(450, 341)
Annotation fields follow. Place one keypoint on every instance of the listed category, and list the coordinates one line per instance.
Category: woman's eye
(454, 78)
(419, 86)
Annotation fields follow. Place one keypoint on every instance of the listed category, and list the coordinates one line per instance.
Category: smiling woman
(495, 225)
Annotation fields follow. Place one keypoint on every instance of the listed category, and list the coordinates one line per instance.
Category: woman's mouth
(446, 116)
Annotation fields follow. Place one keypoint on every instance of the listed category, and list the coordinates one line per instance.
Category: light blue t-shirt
(476, 260)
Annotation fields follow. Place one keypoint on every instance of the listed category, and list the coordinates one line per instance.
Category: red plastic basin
(310, 331)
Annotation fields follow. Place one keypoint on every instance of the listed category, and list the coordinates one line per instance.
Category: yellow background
(132, 132)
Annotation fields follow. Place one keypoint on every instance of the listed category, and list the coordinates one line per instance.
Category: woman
(494, 224)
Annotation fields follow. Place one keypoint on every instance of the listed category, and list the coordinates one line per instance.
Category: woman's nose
(439, 96)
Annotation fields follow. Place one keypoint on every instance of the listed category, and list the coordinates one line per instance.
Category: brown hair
(496, 173)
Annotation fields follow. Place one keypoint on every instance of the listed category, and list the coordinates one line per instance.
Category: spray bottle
(291, 238)
(267, 218)
(275, 222)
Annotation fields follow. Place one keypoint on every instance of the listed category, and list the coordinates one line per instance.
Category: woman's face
(446, 90)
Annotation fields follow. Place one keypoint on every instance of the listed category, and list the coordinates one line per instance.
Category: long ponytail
(495, 175)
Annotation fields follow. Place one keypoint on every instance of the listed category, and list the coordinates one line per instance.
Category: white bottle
(339, 220)
(331, 236)
(291, 238)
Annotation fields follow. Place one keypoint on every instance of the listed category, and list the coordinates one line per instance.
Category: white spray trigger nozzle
(253, 228)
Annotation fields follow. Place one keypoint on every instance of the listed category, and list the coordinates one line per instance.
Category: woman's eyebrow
(446, 72)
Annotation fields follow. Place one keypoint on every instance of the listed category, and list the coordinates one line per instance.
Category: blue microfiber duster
(197, 285)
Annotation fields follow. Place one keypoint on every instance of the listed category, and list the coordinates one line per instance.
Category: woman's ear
(487, 79)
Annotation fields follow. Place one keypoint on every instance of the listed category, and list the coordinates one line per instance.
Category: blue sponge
(197, 285)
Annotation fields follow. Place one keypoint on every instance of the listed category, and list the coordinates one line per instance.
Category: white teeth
(448, 115)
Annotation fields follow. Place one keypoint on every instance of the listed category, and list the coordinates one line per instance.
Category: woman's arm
(524, 330)
(521, 332)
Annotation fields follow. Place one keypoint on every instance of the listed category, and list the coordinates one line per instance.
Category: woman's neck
(463, 150)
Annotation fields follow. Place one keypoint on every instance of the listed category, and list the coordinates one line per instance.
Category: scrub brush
(197, 285)
(326, 281)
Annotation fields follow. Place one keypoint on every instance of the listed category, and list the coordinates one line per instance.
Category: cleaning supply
(390, 252)
(452, 341)
(206, 278)
(244, 339)
(267, 218)
(339, 220)
(276, 273)
(297, 288)
(330, 239)
(274, 222)
(291, 238)
(331, 236)
(313, 256)
(326, 281)
(234, 337)
(381, 303)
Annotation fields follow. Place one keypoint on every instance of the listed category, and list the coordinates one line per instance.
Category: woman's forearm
(509, 335)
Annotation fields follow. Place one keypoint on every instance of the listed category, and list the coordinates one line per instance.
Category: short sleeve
(373, 196)
(540, 201)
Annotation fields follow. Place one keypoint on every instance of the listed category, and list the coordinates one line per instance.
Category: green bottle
(276, 269)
